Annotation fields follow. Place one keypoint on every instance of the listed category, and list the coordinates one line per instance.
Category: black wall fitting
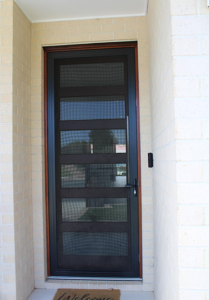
(150, 160)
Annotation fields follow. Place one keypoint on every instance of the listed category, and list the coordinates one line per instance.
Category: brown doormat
(68, 294)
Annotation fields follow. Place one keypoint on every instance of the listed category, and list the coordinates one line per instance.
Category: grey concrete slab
(42, 294)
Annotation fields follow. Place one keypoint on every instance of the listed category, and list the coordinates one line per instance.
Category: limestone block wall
(80, 32)
(190, 49)
(164, 149)
(22, 154)
(16, 244)
(7, 219)
(180, 72)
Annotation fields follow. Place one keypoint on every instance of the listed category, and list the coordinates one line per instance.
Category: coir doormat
(68, 294)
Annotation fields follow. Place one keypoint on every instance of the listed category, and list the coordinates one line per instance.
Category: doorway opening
(93, 161)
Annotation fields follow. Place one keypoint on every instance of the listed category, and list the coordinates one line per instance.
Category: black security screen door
(92, 157)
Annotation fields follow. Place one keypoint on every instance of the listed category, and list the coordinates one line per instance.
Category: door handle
(135, 186)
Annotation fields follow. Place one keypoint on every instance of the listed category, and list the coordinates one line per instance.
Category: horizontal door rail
(91, 91)
(93, 227)
(111, 158)
(93, 124)
(95, 193)
(90, 60)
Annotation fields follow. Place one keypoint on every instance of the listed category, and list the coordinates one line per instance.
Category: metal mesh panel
(94, 210)
(93, 175)
(93, 141)
(92, 108)
(88, 243)
(97, 74)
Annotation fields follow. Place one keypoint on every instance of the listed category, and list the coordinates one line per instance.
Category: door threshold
(93, 278)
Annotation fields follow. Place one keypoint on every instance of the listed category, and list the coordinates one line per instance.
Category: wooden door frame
(80, 48)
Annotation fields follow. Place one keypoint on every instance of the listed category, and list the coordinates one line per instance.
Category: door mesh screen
(93, 206)
(93, 141)
(94, 209)
(92, 108)
(99, 243)
(97, 74)
(93, 175)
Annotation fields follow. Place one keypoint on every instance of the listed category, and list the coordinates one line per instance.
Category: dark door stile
(91, 265)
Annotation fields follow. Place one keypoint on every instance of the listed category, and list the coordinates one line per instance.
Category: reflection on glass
(93, 175)
(98, 243)
(93, 141)
(97, 74)
(92, 108)
(94, 209)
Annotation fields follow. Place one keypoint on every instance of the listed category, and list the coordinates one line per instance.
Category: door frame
(80, 48)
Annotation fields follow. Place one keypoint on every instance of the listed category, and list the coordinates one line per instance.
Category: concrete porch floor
(42, 294)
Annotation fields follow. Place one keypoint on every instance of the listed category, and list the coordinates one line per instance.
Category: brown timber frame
(80, 48)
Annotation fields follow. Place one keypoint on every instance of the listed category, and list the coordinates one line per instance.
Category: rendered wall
(88, 31)
(180, 76)
(16, 246)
